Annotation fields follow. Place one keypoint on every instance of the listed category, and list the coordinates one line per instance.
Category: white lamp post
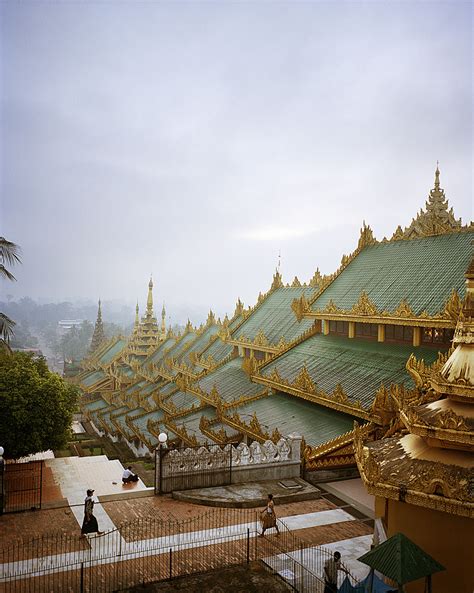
(162, 438)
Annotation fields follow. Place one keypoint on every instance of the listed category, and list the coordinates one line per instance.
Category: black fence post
(41, 484)
(248, 545)
(82, 578)
(171, 563)
(2, 483)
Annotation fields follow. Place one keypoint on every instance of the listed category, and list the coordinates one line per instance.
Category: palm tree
(10, 255)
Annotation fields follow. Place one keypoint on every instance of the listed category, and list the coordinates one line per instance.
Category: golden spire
(149, 302)
(137, 317)
(437, 176)
(163, 322)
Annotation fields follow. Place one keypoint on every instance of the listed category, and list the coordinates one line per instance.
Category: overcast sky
(195, 140)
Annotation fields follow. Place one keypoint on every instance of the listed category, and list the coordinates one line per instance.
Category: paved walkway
(314, 521)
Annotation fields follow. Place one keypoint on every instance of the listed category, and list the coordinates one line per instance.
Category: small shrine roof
(410, 464)
(423, 271)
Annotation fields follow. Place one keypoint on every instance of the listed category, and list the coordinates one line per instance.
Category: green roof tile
(93, 378)
(275, 317)
(231, 381)
(112, 351)
(290, 414)
(422, 271)
(360, 366)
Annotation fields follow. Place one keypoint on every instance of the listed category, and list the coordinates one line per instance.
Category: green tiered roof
(92, 378)
(218, 350)
(199, 344)
(191, 422)
(183, 400)
(121, 420)
(105, 415)
(112, 351)
(275, 318)
(231, 381)
(360, 366)
(141, 423)
(95, 405)
(290, 414)
(422, 271)
(161, 351)
(135, 387)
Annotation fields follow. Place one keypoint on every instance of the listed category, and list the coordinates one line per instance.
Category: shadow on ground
(252, 578)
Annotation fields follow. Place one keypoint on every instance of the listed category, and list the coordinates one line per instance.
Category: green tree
(9, 255)
(36, 405)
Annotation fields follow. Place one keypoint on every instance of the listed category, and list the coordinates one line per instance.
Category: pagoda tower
(163, 323)
(423, 480)
(98, 336)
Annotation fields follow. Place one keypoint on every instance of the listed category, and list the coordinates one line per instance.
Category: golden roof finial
(137, 317)
(437, 176)
(149, 302)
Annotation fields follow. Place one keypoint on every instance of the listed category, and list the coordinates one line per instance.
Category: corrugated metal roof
(401, 560)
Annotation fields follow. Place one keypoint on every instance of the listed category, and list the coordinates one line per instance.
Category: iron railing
(21, 486)
(156, 549)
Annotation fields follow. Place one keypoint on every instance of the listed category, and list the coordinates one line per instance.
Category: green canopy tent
(402, 561)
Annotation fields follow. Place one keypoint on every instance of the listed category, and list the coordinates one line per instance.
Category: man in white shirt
(128, 476)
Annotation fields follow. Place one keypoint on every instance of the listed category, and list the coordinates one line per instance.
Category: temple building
(308, 358)
(423, 478)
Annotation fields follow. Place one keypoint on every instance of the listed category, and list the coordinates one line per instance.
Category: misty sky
(195, 140)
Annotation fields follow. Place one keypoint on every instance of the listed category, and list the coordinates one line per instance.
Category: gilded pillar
(325, 327)
(381, 333)
(352, 329)
(416, 336)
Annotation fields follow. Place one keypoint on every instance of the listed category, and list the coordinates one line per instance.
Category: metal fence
(150, 550)
(21, 486)
(192, 467)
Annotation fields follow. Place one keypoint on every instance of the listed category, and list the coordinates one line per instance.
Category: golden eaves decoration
(253, 428)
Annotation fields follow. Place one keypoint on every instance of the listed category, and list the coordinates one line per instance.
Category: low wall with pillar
(235, 464)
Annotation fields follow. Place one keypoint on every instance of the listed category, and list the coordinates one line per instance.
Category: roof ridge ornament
(436, 219)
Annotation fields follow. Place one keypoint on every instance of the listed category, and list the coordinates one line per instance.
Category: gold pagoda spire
(163, 323)
(149, 301)
(137, 317)
(98, 336)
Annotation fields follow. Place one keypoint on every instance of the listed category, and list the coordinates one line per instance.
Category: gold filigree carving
(364, 306)
(277, 281)
(453, 306)
(304, 381)
(296, 283)
(403, 310)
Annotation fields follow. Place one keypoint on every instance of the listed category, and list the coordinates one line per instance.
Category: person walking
(268, 517)
(331, 566)
(89, 525)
